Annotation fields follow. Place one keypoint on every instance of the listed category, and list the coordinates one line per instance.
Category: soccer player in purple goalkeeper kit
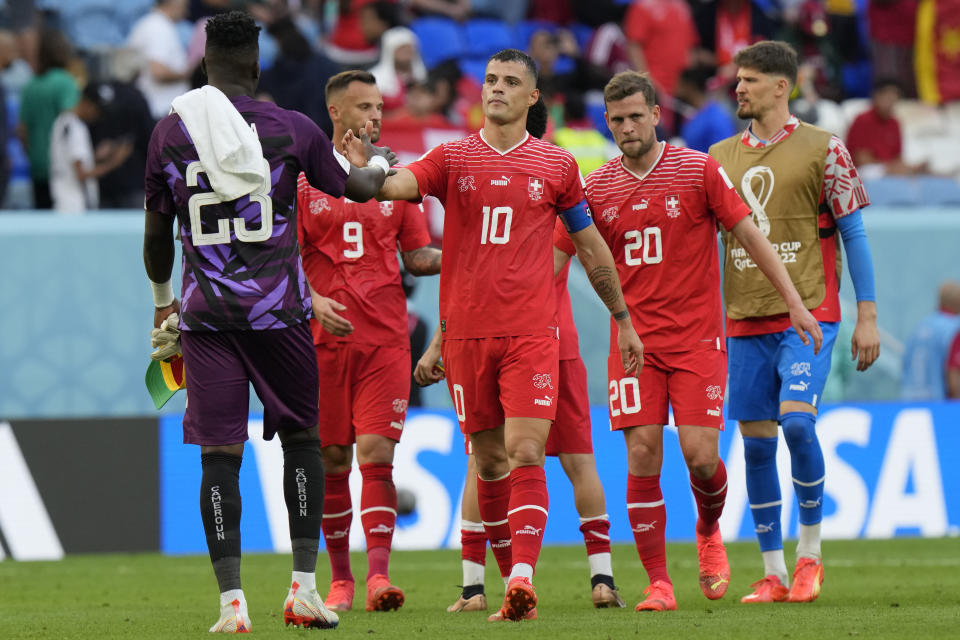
(245, 298)
(502, 190)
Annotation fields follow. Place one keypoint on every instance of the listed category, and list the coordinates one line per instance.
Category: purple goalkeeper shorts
(220, 365)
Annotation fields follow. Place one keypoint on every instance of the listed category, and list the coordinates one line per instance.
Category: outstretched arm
(762, 252)
(402, 185)
(598, 262)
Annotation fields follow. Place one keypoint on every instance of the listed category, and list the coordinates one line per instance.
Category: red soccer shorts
(692, 382)
(491, 379)
(571, 432)
(363, 389)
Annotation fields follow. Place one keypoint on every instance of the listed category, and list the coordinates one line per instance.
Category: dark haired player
(360, 330)
(246, 300)
(502, 190)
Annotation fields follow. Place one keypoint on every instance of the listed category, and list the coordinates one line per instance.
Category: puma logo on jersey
(714, 412)
(500, 544)
(800, 386)
(640, 206)
(502, 181)
(809, 504)
(545, 401)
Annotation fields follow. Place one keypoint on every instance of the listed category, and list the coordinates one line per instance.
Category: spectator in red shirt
(874, 137)
(892, 32)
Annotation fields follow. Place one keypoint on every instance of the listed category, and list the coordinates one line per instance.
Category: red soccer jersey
(569, 341)
(496, 275)
(662, 231)
(349, 252)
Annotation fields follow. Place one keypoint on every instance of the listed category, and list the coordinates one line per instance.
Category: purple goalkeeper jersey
(241, 268)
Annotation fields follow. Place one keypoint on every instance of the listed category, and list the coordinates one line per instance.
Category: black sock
(472, 590)
(220, 512)
(303, 492)
(602, 578)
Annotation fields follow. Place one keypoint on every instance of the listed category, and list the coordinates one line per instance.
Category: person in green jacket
(50, 92)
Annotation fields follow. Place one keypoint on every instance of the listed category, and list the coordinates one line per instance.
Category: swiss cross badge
(673, 205)
(386, 207)
(535, 188)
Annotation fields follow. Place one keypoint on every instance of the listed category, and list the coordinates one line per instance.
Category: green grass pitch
(907, 589)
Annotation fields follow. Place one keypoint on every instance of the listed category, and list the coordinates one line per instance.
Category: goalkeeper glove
(166, 340)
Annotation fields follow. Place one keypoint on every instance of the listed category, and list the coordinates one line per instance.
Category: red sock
(528, 513)
(378, 514)
(493, 497)
(337, 516)
(648, 519)
(596, 534)
(710, 495)
(473, 542)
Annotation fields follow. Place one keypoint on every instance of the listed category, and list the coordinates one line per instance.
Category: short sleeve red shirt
(881, 136)
(662, 231)
(496, 275)
(349, 252)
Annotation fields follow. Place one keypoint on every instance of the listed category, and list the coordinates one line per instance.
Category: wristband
(620, 315)
(162, 294)
(379, 162)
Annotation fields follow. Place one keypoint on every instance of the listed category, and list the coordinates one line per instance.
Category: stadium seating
(894, 191)
(939, 191)
(441, 39)
(486, 36)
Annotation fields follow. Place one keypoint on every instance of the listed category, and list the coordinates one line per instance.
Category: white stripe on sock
(369, 509)
(644, 505)
(475, 527)
(591, 519)
(527, 506)
(766, 504)
(506, 475)
(715, 493)
(494, 524)
(338, 515)
(809, 484)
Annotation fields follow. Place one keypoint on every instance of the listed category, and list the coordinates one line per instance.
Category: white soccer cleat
(305, 608)
(233, 615)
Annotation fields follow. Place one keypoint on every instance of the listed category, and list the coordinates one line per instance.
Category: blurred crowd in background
(83, 81)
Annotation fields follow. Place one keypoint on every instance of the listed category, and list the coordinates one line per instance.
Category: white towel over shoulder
(228, 148)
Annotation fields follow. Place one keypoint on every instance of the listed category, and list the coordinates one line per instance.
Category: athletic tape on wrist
(162, 293)
(380, 162)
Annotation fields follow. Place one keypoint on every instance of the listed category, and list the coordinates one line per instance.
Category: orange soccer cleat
(769, 589)
(714, 568)
(518, 602)
(381, 595)
(501, 615)
(659, 597)
(807, 578)
(340, 596)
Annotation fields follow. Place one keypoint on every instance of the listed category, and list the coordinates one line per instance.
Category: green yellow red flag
(163, 379)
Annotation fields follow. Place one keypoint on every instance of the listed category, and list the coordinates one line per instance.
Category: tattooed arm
(598, 262)
(424, 261)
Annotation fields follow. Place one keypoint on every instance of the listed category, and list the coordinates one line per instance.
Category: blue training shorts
(768, 369)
